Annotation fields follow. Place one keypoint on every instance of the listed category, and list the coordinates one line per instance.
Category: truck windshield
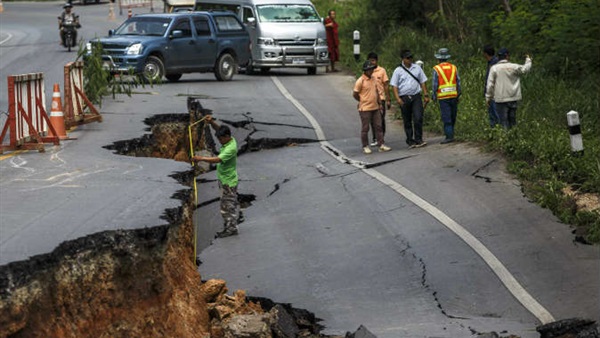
(287, 13)
(144, 26)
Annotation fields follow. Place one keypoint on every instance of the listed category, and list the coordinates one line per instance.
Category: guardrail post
(356, 37)
(575, 132)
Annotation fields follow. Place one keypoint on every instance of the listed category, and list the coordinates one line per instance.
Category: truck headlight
(134, 49)
(266, 41)
(321, 42)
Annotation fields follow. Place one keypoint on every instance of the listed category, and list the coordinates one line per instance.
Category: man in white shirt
(504, 87)
(408, 82)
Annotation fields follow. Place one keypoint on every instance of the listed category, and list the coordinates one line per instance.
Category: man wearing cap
(446, 90)
(227, 176)
(380, 74)
(408, 82)
(504, 87)
(67, 16)
(369, 94)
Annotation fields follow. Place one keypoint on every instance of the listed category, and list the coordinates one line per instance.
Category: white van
(284, 33)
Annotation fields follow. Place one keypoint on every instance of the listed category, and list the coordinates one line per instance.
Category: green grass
(538, 148)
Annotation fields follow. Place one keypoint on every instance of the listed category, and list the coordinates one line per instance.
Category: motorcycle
(70, 33)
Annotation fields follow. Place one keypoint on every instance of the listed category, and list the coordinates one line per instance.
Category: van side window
(228, 24)
(184, 27)
(202, 27)
(248, 13)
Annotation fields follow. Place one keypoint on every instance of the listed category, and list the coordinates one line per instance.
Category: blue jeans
(494, 118)
(412, 116)
(449, 109)
(507, 111)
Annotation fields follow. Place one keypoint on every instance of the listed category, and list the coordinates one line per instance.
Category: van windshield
(144, 26)
(287, 13)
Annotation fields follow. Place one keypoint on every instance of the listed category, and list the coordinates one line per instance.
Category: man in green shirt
(227, 175)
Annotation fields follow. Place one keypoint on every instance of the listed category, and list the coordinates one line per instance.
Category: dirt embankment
(138, 283)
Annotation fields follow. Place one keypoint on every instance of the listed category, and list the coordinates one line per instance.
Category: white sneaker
(384, 148)
(374, 143)
(366, 150)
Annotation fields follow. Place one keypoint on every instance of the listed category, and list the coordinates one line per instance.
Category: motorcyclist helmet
(67, 5)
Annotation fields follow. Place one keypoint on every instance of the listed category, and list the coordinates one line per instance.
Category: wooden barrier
(129, 4)
(27, 122)
(78, 108)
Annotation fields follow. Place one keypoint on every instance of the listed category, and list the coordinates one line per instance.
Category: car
(154, 46)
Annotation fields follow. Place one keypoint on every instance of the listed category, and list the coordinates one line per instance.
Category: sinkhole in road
(168, 138)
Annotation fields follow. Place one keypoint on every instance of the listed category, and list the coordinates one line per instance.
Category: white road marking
(509, 281)
(7, 38)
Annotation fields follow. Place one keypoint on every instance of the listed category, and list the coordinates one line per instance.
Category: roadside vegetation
(562, 38)
(99, 82)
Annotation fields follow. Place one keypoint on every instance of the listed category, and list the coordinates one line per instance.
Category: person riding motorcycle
(66, 17)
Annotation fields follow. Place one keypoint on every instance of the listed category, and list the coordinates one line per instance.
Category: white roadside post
(356, 37)
(575, 132)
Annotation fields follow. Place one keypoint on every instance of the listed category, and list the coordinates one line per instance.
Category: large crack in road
(142, 282)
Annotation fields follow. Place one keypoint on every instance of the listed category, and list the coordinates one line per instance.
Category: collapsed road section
(140, 283)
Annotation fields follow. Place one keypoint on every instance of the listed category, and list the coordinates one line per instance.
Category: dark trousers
(449, 110)
(370, 118)
(412, 116)
(507, 112)
(493, 115)
(382, 111)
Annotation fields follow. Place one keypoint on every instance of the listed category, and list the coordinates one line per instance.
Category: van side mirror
(251, 21)
(176, 34)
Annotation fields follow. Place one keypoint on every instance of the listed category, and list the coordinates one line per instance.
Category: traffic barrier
(128, 4)
(111, 12)
(57, 118)
(27, 121)
(78, 108)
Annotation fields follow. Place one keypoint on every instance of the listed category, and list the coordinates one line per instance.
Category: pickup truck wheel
(153, 69)
(225, 67)
(312, 70)
(173, 77)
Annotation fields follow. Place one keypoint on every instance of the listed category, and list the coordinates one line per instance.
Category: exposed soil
(139, 283)
(145, 283)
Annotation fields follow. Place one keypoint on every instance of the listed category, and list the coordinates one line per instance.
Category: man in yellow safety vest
(446, 90)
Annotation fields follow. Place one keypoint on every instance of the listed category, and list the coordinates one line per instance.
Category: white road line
(509, 281)
(7, 38)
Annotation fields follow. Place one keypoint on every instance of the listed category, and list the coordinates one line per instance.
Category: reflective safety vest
(447, 87)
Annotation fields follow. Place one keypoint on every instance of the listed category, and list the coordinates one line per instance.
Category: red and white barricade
(28, 123)
(129, 4)
(78, 108)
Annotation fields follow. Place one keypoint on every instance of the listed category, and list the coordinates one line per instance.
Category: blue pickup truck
(157, 45)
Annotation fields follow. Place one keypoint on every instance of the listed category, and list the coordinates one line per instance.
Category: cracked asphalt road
(325, 236)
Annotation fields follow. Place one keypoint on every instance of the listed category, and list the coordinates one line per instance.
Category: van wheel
(225, 67)
(154, 69)
(173, 77)
(311, 70)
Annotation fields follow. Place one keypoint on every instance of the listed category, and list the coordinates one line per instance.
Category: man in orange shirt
(369, 94)
(380, 75)
(446, 90)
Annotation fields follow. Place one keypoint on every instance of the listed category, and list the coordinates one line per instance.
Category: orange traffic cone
(57, 118)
